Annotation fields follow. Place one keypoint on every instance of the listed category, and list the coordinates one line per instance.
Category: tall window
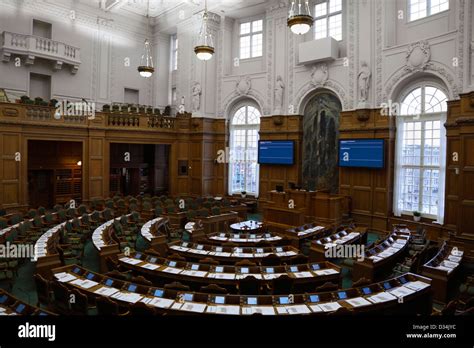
(251, 39)
(421, 153)
(174, 52)
(424, 8)
(328, 19)
(243, 167)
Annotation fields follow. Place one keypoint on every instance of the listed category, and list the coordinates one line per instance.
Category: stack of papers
(229, 310)
(221, 275)
(158, 302)
(105, 291)
(381, 297)
(402, 291)
(358, 302)
(330, 306)
(150, 266)
(64, 277)
(326, 271)
(417, 285)
(84, 283)
(265, 310)
(189, 307)
(191, 273)
(172, 270)
(130, 260)
(305, 274)
(129, 297)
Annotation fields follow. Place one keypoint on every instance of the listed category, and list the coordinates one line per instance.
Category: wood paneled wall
(281, 128)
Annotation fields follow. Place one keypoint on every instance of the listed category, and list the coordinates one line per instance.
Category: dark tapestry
(320, 143)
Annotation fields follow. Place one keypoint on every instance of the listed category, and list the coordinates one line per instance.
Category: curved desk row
(162, 270)
(407, 294)
(231, 254)
(381, 258)
(243, 238)
(305, 232)
(10, 305)
(442, 268)
(345, 237)
(153, 232)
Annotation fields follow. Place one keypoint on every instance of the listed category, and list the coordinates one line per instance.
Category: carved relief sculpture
(196, 94)
(243, 86)
(418, 55)
(364, 82)
(279, 89)
(319, 75)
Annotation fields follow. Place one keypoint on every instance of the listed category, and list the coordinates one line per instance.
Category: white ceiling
(160, 7)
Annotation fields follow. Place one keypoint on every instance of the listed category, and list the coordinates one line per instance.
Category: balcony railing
(31, 46)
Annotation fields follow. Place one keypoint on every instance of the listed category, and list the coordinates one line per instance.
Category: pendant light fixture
(146, 68)
(299, 18)
(205, 47)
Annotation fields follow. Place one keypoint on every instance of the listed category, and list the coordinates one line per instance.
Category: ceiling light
(299, 18)
(205, 47)
(146, 68)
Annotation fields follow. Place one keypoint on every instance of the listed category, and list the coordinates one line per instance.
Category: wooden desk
(414, 289)
(230, 255)
(162, 271)
(380, 259)
(244, 239)
(442, 276)
(318, 247)
(246, 226)
(281, 219)
(10, 305)
(297, 235)
(217, 223)
(153, 232)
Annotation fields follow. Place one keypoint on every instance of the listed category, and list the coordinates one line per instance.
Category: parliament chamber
(288, 158)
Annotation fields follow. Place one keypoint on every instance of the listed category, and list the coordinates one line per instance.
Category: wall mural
(320, 142)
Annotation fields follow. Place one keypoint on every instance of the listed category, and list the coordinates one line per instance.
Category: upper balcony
(32, 47)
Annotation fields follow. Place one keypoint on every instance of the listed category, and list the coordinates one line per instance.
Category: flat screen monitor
(76, 270)
(200, 247)
(172, 263)
(244, 270)
(90, 276)
(387, 286)
(342, 295)
(294, 269)
(219, 249)
(188, 297)
(314, 298)
(219, 269)
(109, 282)
(270, 270)
(3, 298)
(362, 153)
(219, 300)
(195, 267)
(366, 291)
(276, 152)
(158, 293)
(251, 300)
(138, 256)
(403, 280)
(153, 260)
(132, 288)
(20, 308)
(316, 267)
(284, 300)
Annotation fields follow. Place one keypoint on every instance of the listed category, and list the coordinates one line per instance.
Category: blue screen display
(367, 291)
(276, 152)
(252, 300)
(132, 288)
(219, 300)
(90, 276)
(316, 267)
(387, 285)
(342, 295)
(362, 153)
(109, 282)
(20, 308)
(3, 299)
(158, 293)
(314, 298)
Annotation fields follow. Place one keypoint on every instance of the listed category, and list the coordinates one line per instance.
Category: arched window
(243, 167)
(421, 153)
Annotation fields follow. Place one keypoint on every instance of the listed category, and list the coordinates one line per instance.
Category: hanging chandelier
(146, 68)
(299, 18)
(205, 47)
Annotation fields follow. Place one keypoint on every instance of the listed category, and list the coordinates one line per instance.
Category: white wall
(372, 32)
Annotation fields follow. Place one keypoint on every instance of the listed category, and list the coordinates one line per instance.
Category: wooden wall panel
(10, 169)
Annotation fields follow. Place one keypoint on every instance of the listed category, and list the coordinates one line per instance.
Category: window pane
(257, 45)
(335, 26)
(245, 28)
(438, 6)
(417, 9)
(435, 100)
(335, 6)
(320, 9)
(245, 47)
(320, 29)
(257, 26)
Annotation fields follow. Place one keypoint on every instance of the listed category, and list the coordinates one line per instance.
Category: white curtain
(442, 172)
(398, 180)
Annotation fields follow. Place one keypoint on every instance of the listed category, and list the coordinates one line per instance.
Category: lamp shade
(300, 20)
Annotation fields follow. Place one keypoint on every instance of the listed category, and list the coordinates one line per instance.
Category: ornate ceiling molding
(309, 88)
(417, 56)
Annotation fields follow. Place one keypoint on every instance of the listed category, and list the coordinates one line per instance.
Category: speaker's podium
(294, 208)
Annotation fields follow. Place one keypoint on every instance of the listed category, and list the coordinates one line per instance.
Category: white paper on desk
(265, 310)
(450, 264)
(382, 297)
(272, 275)
(417, 285)
(376, 258)
(453, 258)
(445, 269)
(105, 291)
(223, 254)
(224, 275)
(160, 302)
(457, 253)
(87, 284)
(358, 302)
(64, 277)
(200, 274)
(150, 266)
(131, 261)
(193, 307)
(298, 309)
(229, 310)
(330, 306)
(172, 270)
(316, 308)
(129, 297)
(402, 291)
(242, 276)
(326, 271)
(303, 274)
